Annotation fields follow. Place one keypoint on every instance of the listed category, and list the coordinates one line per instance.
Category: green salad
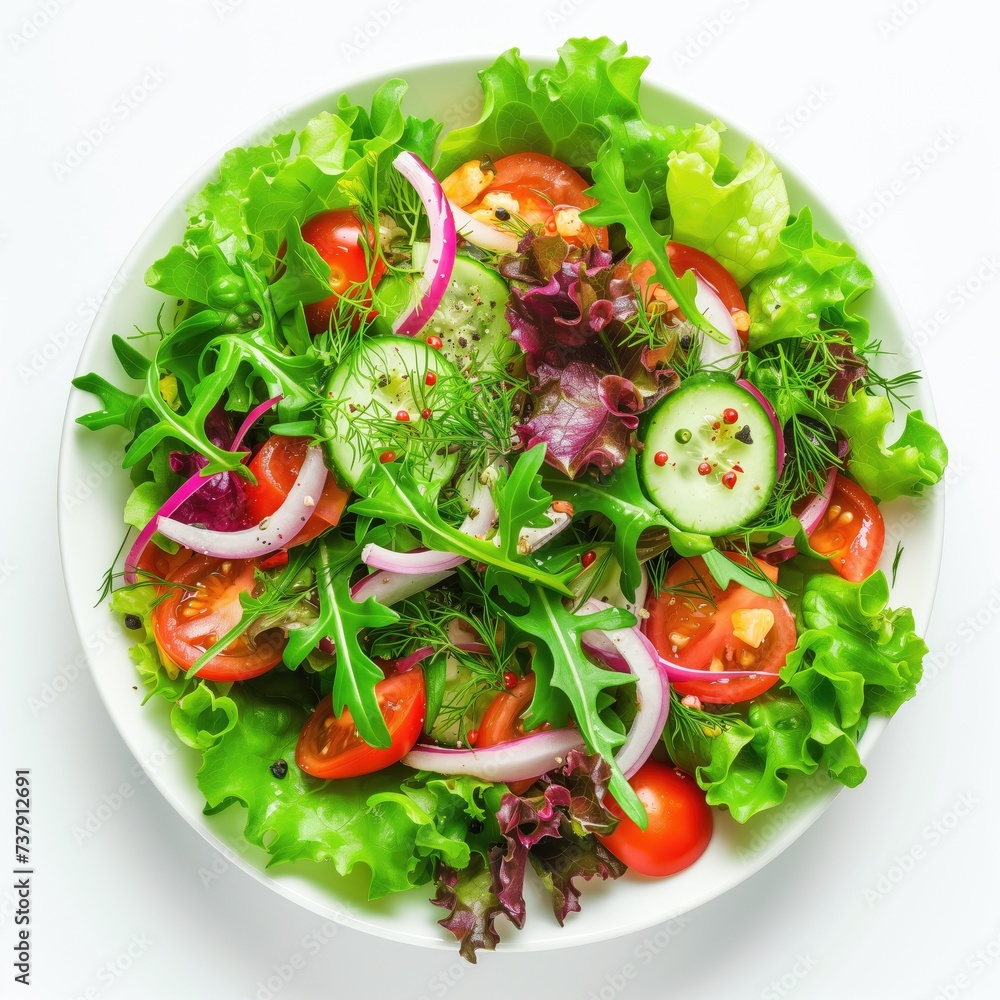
(508, 498)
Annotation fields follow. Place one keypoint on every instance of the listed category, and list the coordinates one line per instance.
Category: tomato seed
(730, 415)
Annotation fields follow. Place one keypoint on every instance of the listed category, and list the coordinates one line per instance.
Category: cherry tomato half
(339, 236)
(542, 186)
(680, 822)
(275, 467)
(852, 532)
(695, 629)
(203, 606)
(502, 721)
(329, 747)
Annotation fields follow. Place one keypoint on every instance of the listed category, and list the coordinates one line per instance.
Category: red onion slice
(517, 760)
(810, 518)
(273, 532)
(652, 690)
(720, 357)
(185, 490)
(418, 656)
(773, 417)
(417, 561)
(441, 252)
(478, 522)
(481, 234)
(390, 588)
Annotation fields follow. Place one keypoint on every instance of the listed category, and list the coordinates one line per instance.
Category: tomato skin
(329, 747)
(684, 258)
(337, 236)
(540, 184)
(502, 722)
(854, 548)
(205, 605)
(275, 467)
(708, 631)
(680, 822)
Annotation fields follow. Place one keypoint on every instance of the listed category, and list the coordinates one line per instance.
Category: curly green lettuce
(736, 214)
(815, 287)
(915, 462)
(856, 657)
(397, 824)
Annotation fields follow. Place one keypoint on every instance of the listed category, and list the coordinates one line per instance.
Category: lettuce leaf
(817, 285)
(915, 462)
(552, 827)
(855, 657)
(736, 215)
(556, 111)
(397, 824)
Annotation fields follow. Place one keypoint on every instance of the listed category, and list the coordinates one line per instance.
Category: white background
(888, 108)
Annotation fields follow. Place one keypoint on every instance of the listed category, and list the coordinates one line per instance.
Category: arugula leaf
(398, 499)
(344, 620)
(567, 680)
(735, 215)
(306, 277)
(621, 500)
(817, 284)
(118, 408)
(291, 377)
(634, 209)
(916, 461)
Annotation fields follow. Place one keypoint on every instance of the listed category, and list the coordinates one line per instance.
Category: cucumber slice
(470, 319)
(385, 377)
(710, 456)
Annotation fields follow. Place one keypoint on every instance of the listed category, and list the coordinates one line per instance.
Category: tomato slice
(159, 564)
(276, 466)
(852, 532)
(679, 827)
(695, 628)
(542, 186)
(203, 607)
(339, 236)
(329, 747)
(502, 722)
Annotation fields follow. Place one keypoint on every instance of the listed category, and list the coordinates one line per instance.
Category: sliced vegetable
(850, 532)
(441, 252)
(711, 455)
(274, 532)
(330, 746)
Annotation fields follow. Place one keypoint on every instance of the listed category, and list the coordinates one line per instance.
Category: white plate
(93, 489)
